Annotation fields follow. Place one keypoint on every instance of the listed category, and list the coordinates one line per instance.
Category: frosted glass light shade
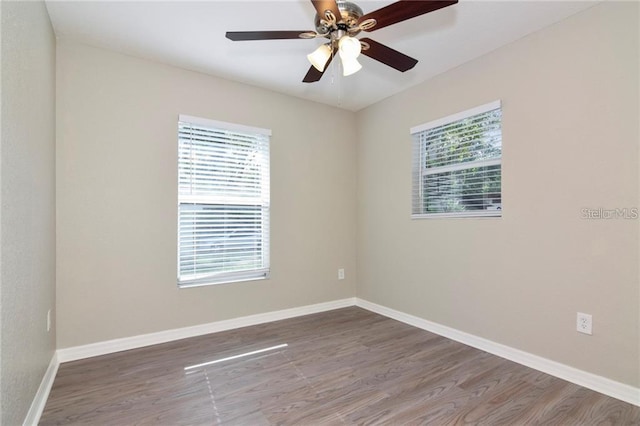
(350, 66)
(349, 47)
(319, 57)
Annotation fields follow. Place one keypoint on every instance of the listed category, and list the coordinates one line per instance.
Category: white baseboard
(40, 400)
(591, 381)
(126, 343)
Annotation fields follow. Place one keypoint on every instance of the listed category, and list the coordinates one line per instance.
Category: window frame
(217, 199)
(418, 172)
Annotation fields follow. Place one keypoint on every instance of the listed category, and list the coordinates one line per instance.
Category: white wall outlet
(584, 323)
(49, 320)
(341, 274)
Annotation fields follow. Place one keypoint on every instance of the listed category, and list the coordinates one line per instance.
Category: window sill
(494, 214)
(210, 281)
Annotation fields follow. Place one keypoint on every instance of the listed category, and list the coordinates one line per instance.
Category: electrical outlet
(341, 274)
(49, 320)
(584, 323)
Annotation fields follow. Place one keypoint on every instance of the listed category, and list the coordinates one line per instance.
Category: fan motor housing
(350, 14)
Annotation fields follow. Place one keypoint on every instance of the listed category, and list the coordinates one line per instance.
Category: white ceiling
(191, 35)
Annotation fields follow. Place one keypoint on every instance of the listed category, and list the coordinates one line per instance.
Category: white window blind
(457, 164)
(223, 202)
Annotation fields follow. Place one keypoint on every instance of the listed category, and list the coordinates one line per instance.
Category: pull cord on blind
(223, 202)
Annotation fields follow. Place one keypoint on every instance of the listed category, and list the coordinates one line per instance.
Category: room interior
(88, 184)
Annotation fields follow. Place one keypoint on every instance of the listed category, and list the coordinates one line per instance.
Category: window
(457, 168)
(223, 202)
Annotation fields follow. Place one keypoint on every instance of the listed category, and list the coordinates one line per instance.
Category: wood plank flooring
(347, 366)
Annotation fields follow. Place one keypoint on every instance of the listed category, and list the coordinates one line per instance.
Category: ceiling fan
(340, 21)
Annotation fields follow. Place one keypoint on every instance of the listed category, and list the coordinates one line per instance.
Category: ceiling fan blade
(403, 10)
(263, 35)
(313, 74)
(388, 56)
(323, 5)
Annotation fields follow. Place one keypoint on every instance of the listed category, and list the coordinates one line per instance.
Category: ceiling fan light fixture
(350, 66)
(349, 47)
(319, 57)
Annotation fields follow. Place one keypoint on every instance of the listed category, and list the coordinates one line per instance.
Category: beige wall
(27, 190)
(570, 141)
(117, 194)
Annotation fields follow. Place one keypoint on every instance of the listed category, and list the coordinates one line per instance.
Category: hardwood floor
(347, 366)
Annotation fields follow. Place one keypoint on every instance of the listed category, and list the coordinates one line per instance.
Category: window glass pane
(475, 138)
(475, 188)
(220, 238)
